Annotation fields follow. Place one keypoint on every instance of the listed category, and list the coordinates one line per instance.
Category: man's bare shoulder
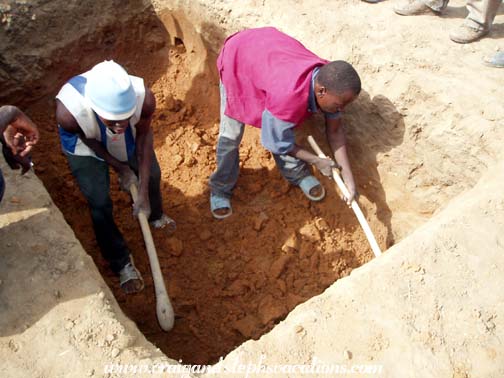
(149, 104)
(65, 119)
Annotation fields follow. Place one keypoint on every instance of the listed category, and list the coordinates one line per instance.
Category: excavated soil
(229, 280)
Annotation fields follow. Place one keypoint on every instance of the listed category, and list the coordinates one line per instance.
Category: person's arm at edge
(19, 123)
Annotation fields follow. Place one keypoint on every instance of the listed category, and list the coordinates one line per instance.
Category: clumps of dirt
(228, 280)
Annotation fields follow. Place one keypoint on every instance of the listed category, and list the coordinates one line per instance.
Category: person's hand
(325, 166)
(142, 205)
(17, 161)
(126, 178)
(21, 135)
(353, 195)
(350, 184)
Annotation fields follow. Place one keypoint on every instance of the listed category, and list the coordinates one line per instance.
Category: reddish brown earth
(229, 280)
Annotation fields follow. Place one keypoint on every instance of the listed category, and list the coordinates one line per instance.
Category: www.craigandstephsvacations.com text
(240, 369)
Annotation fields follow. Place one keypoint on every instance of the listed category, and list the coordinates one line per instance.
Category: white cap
(110, 92)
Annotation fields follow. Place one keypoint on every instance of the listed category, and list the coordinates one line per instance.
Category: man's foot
(317, 191)
(220, 206)
(164, 221)
(497, 60)
(412, 8)
(130, 279)
(312, 188)
(467, 34)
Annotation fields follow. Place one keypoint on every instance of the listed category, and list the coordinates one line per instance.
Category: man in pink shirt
(271, 81)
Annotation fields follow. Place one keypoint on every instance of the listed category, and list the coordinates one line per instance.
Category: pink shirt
(266, 69)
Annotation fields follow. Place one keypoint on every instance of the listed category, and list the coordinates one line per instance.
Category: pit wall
(430, 307)
(44, 42)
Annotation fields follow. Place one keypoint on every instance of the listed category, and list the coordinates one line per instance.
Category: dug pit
(229, 280)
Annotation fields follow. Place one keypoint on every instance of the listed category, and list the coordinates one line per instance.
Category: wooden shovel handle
(355, 206)
(164, 309)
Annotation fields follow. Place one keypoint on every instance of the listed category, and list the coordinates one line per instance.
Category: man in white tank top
(104, 118)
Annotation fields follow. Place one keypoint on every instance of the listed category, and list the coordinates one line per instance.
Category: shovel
(164, 309)
(355, 206)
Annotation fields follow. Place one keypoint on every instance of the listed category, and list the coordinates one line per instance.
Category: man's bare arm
(337, 141)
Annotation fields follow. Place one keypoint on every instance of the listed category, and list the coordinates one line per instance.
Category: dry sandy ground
(426, 129)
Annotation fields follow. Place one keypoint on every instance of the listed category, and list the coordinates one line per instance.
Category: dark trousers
(93, 178)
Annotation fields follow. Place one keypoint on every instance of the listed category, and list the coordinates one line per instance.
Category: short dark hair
(339, 76)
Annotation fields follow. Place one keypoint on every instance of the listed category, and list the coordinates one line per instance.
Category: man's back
(266, 69)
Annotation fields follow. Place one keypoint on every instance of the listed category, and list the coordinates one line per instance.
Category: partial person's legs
(482, 12)
(416, 7)
(478, 22)
(157, 218)
(224, 179)
(496, 60)
(437, 6)
(298, 173)
(94, 182)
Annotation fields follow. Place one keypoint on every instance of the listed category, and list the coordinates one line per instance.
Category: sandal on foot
(307, 184)
(130, 273)
(218, 202)
(164, 221)
(496, 61)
